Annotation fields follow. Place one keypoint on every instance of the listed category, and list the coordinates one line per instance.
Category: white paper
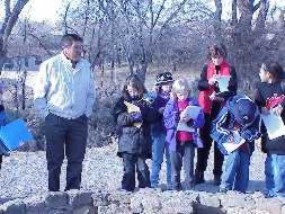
(274, 125)
(223, 82)
(191, 112)
(236, 142)
(183, 127)
(230, 147)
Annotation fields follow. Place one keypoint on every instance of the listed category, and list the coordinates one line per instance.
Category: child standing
(133, 116)
(181, 143)
(159, 148)
(270, 98)
(237, 124)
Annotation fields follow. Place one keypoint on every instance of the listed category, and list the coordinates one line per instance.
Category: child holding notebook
(133, 116)
(270, 99)
(182, 143)
(235, 129)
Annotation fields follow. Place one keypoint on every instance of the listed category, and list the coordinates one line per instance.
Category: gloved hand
(137, 117)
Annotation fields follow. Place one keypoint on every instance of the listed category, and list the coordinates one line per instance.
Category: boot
(199, 177)
(217, 180)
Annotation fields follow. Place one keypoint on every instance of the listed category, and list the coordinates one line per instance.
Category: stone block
(209, 200)
(235, 199)
(85, 210)
(178, 204)
(35, 208)
(56, 200)
(78, 199)
(120, 197)
(136, 205)
(114, 209)
(151, 204)
(271, 205)
(100, 198)
(35, 204)
(15, 207)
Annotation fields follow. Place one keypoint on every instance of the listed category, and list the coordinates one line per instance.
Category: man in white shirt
(64, 96)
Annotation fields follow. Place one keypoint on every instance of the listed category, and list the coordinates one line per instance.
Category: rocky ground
(24, 174)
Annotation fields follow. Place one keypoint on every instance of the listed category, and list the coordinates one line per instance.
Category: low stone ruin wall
(142, 201)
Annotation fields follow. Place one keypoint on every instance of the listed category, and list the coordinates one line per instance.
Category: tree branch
(13, 18)
(41, 44)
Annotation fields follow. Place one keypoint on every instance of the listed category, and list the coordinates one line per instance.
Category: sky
(47, 10)
(43, 10)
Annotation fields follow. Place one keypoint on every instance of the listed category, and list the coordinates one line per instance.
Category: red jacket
(206, 90)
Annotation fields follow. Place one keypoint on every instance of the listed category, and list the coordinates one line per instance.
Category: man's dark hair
(68, 39)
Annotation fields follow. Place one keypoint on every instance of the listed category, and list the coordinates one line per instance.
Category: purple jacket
(171, 119)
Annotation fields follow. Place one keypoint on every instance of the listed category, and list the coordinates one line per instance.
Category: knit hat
(244, 110)
(164, 77)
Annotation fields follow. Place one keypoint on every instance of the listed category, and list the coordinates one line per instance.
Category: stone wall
(142, 201)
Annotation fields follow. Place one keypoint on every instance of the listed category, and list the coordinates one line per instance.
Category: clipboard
(15, 134)
(274, 125)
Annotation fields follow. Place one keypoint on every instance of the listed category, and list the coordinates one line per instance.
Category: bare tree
(10, 18)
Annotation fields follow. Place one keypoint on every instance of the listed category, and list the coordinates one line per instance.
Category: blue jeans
(159, 147)
(236, 171)
(275, 175)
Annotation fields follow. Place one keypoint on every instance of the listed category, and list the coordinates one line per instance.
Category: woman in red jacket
(211, 98)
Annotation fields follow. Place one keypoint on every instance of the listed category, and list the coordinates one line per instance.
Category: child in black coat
(133, 116)
(270, 97)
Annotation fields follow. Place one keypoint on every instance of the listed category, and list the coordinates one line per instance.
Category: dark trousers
(203, 153)
(185, 153)
(67, 137)
(0, 161)
(133, 163)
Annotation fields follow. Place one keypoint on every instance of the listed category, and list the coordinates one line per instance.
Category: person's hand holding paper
(223, 83)
(190, 113)
(235, 141)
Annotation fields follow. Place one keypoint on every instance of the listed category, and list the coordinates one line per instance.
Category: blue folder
(14, 134)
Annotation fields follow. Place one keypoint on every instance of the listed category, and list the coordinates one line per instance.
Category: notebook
(15, 134)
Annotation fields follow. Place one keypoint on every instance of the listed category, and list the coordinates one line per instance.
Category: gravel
(25, 174)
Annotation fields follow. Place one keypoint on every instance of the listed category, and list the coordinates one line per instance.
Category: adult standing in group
(211, 99)
(64, 96)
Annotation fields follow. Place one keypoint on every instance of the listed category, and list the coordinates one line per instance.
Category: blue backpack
(238, 109)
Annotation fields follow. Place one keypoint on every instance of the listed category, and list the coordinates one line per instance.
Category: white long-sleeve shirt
(62, 90)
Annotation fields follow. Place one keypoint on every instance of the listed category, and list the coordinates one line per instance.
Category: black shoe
(217, 180)
(199, 177)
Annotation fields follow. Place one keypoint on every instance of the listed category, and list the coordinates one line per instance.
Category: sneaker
(270, 195)
(154, 186)
(176, 187)
(223, 190)
(199, 177)
(189, 185)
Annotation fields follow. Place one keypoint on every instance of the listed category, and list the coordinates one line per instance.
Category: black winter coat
(134, 140)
